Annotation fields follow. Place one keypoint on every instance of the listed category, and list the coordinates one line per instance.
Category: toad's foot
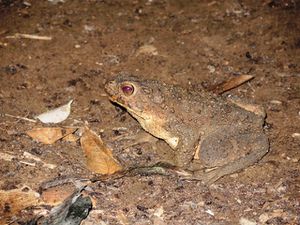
(136, 139)
(211, 177)
(207, 178)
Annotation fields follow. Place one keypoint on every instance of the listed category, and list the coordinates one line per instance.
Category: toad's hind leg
(261, 147)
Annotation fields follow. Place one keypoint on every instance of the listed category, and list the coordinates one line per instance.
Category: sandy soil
(196, 42)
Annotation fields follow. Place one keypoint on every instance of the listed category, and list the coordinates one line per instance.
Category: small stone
(244, 221)
(281, 189)
(238, 200)
(211, 68)
(263, 217)
(3, 44)
(159, 212)
(99, 63)
(201, 203)
(276, 102)
(208, 211)
(77, 46)
(148, 50)
(54, 2)
(295, 160)
(234, 175)
(296, 135)
(25, 3)
(88, 28)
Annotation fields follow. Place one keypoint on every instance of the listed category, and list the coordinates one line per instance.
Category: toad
(212, 136)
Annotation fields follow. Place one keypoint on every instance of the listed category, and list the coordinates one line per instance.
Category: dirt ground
(194, 44)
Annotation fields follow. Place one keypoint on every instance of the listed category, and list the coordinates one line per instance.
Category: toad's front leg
(186, 151)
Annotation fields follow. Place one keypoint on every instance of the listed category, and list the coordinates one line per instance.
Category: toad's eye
(127, 89)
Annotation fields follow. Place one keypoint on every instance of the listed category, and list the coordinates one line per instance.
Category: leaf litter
(56, 115)
(99, 157)
(49, 135)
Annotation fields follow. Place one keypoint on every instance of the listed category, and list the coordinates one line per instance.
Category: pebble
(294, 160)
(159, 212)
(147, 49)
(238, 200)
(296, 135)
(28, 4)
(244, 221)
(276, 102)
(208, 211)
(211, 68)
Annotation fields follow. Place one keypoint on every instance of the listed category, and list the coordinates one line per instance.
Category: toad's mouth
(135, 113)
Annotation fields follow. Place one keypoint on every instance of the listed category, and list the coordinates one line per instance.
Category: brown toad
(206, 131)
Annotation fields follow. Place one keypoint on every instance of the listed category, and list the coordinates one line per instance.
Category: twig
(27, 163)
(20, 117)
(30, 36)
(230, 84)
(37, 159)
(59, 181)
(160, 168)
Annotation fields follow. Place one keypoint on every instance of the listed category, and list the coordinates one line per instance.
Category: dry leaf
(99, 157)
(71, 138)
(46, 135)
(13, 201)
(56, 195)
(56, 115)
(49, 135)
(245, 221)
(230, 84)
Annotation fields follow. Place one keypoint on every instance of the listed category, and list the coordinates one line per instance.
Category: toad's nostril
(109, 83)
(108, 87)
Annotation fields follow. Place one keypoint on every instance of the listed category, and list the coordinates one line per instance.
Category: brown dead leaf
(56, 195)
(71, 138)
(99, 157)
(13, 201)
(49, 135)
(230, 84)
